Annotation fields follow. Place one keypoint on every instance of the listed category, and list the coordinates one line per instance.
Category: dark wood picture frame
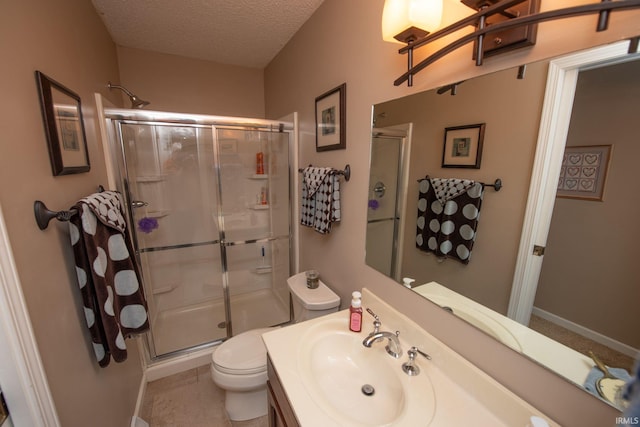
(331, 119)
(64, 127)
(463, 146)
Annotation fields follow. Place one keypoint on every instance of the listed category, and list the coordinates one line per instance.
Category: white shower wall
(207, 227)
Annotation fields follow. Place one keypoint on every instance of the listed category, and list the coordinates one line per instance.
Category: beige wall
(341, 43)
(178, 84)
(318, 59)
(591, 246)
(65, 40)
(511, 109)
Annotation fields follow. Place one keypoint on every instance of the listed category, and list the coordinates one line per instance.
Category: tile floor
(189, 399)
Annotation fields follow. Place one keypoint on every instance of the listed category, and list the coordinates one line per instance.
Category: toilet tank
(311, 303)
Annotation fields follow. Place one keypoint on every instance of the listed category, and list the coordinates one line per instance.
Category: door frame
(24, 381)
(554, 126)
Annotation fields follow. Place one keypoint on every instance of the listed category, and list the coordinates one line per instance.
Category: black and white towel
(108, 276)
(448, 214)
(320, 198)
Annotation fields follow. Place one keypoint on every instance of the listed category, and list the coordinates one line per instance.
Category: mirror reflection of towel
(448, 213)
(320, 199)
(113, 299)
(632, 395)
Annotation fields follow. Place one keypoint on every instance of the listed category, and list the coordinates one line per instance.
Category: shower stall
(388, 179)
(208, 203)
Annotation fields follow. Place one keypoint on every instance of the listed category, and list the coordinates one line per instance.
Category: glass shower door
(382, 213)
(172, 185)
(255, 217)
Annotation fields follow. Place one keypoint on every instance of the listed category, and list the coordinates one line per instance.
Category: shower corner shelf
(164, 289)
(259, 207)
(260, 176)
(263, 270)
(151, 178)
(158, 214)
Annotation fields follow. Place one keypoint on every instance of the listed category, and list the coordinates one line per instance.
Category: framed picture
(64, 128)
(463, 146)
(584, 172)
(331, 119)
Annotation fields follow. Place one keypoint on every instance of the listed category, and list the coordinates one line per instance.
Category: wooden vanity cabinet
(280, 412)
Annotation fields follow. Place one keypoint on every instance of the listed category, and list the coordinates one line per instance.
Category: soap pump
(355, 312)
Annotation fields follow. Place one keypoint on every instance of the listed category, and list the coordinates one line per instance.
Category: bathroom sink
(359, 386)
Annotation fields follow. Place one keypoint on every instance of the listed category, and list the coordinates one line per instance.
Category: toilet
(239, 365)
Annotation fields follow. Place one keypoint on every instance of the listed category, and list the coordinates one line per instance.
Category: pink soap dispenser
(355, 312)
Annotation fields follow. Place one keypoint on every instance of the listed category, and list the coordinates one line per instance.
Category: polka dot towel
(448, 214)
(108, 276)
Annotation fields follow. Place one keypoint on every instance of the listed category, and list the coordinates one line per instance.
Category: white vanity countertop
(464, 395)
(564, 360)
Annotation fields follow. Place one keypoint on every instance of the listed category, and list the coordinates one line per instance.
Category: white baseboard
(586, 332)
(178, 364)
(138, 422)
(139, 402)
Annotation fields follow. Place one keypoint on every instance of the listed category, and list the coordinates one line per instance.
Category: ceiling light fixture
(498, 18)
(406, 21)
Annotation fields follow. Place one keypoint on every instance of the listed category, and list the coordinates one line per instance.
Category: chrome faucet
(393, 344)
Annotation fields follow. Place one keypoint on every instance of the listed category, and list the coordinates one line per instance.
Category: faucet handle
(409, 367)
(376, 322)
(415, 350)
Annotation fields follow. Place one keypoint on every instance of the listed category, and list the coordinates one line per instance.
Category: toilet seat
(243, 354)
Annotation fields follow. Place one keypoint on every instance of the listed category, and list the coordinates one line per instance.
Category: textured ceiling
(238, 32)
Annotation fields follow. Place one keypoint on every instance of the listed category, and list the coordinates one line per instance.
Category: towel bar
(44, 215)
(497, 184)
(346, 172)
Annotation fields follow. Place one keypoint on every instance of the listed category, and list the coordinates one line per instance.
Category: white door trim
(24, 382)
(554, 126)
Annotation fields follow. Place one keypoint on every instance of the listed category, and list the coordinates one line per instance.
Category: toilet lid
(243, 354)
(320, 298)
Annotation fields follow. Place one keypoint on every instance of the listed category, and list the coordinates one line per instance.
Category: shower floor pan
(186, 327)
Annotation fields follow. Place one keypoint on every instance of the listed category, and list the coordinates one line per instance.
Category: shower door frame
(115, 153)
(403, 133)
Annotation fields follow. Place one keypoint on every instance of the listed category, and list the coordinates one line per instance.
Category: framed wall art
(64, 128)
(331, 119)
(463, 146)
(584, 172)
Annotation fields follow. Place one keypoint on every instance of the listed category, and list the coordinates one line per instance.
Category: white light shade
(398, 15)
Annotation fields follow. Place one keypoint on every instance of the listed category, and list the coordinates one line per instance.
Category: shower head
(135, 101)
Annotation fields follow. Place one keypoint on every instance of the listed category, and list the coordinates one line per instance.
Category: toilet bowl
(239, 365)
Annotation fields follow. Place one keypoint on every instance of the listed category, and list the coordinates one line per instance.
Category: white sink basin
(359, 386)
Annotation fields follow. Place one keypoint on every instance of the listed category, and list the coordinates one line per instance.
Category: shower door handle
(138, 204)
(379, 189)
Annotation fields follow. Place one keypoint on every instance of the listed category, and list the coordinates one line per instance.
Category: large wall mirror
(586, 287)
